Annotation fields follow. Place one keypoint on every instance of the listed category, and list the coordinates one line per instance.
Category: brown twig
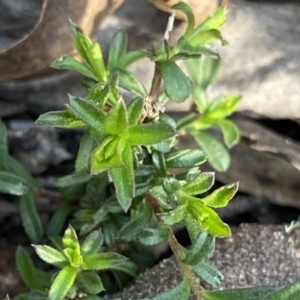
(156, 82)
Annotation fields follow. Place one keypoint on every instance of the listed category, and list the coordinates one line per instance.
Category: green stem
(177, 250)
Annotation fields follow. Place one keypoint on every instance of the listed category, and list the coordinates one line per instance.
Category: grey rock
(262, 61)
(255, 255)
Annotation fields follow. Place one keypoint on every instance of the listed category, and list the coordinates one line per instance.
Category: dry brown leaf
(201, 8)
(32, 55)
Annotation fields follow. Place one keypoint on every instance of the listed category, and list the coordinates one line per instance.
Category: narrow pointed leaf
(62, 283)
(30, 218)
(174, 216)
(91, 281)
(117, 49)
(151, 237)
(128, 267)
(99, 93)
(290, 292)
(123, 179)
(136, 224)
(221, 196)
(190, 16)
(134, 110)
(70, 239)
(130, 58)
(12, 184)
(206, 37)
(92, 243)
(177, 84)
(27, 270)
(86, 147)
(253, 293)
(201, 249)
(209, 274)
(95, 60)
(102, 261)
(217, 154)
(88, 112)
(181, 291)
(58, 220)
(185, 158)
(199, 185)
(72, 179)
(215, 21)
(130, 83)
(149, 133)
(230, 132)
(70, 63)
(3, 140)
(62, 119)
(116, 121)
(50, 255)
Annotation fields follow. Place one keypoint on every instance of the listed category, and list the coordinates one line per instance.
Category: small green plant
(131, 181)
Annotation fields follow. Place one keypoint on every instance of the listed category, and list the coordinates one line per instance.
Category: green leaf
(203, 71)
(159, 163)
(130, 58)
(70, 239)
(50, 255)
(92, 243)
(201, 249)
(136, 224)
(116, 121)
(99, 94)
(30, 218)
(134, 110)
(108, 155)
(190, 16)
(72, 179)
(209, 274)
(177, 84)
(129, 268)
(221, 107)
(199, 185)
(230, 132)
(174, 216)
(58, 220)
(62, 119)
(12, 184)
(3, 143)
(149, 133)
(95, 60)
(221, 196)
(91, 281)
(151, 237)
(130, 83)
(70, 63)
(117, 49)
(123, 179)
(185, 158)
(102, 261)
(27, 270)
(16, 168)
(88, 112)
(207, 218)
(253, 293)
(181, 291)
(62, 283)
(217, 154)
(81, 41)
(290, 292)
(206, 37)
(171, 185)
(215, 21)
(86, 147)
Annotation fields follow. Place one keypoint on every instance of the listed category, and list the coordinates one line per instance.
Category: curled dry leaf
(31, 55)
(201, 8)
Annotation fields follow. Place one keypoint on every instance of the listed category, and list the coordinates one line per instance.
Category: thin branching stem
(177, 250)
